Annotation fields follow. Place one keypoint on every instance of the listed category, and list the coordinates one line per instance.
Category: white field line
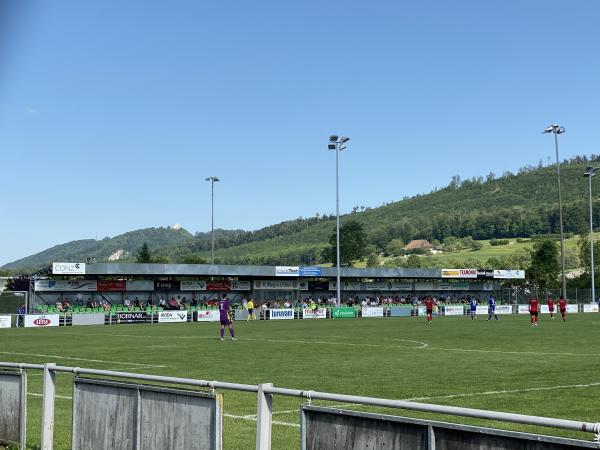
(126, 363)
(509, 352)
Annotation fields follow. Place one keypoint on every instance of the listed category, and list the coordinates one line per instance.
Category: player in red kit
(550, 303)
(429, 304)
(534, 306)
(562, 306)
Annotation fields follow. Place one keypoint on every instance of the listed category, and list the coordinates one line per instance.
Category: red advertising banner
(112, 286)
(218, 286)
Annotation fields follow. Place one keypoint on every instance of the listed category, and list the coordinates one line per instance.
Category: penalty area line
(73, 358)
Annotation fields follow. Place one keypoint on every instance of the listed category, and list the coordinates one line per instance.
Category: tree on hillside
(144, 255)
(413, 261)
(395, 247)
(353, 241)
(373, 260)
(545, 266)
(194, 259)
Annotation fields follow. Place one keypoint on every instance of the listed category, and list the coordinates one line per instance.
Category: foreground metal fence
(113, 404)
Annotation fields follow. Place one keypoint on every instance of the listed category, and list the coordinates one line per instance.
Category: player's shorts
(533, 313)
(563, 310)
(551, 309)
(430, 311)
(225, 322)
(473, 311)
(250, 311)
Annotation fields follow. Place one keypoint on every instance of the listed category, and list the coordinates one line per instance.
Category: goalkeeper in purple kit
(225, 312)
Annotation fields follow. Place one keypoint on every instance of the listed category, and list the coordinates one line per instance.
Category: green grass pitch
(506, 365)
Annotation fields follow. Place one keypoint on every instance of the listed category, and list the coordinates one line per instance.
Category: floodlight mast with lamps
(590, 171)
(212, 180)
(337, 144)
(556, 130)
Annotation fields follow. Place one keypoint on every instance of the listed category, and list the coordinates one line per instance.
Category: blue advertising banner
(400, 311)
(311, 271)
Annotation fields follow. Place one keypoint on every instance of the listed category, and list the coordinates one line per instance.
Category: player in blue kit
(473, 303)
(492, 308)
(225, 317)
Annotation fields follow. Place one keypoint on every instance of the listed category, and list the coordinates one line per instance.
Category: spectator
(174, 304)
(162, 303)
(194, 302)
(127, 302)
(21, 316)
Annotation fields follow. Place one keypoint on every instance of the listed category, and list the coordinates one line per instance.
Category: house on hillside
(421, 244)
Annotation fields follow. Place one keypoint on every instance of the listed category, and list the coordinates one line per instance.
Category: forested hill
(486, 207)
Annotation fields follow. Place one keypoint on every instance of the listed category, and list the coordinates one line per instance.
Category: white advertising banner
(509, 274)
(208, 315)
(63, 268)
(276, 284)
(459, 273)
(590, 307)
(140, 285)
(523, 309)
(240, 285)
(41, 320)
(318, 313)
(388, 286)
(460, 286)
(544, 309)
(372, 311)
(572, 309)
(172, 316)
(482, 310)
(281, 314)
(192, 285)
(503, 309)
(5, 322)
(443, 286)
(66, 285)
(453, 310)
(287, 271)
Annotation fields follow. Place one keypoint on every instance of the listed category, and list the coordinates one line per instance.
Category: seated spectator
(59, 305)
(174, 304)
(162, 303)
(183, 303)
(194, 302)
(149, 302)
(127, 302)
(66, 306)
(137, 303)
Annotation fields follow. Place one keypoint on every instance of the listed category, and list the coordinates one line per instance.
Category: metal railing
(265, 393)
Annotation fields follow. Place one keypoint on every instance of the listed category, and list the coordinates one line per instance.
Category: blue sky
(113, 113)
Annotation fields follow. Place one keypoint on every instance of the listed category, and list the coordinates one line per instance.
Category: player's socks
(222, 333)
(231, 333)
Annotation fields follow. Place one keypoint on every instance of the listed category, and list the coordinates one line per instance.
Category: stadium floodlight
(556, 130)
(337, 144)
(589, 172)
(212, 180)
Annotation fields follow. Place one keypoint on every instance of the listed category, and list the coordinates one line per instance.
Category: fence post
(48, 391)
(263, 418)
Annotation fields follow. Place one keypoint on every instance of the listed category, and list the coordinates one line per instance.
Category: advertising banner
(59, 268)
(42, 320)
(193, 285)
(485, 274)
(318, 313)
(310, 271)
(223, 285)
(88, 319)
(140, 285)
(443, 286)
(240, 285)
(161, 285)
(131, 317)
(503, 309)
(343, 313)
(590, 307)
(172, 316)
(345, 286)
(400, 311)
(276, 284)
(544, 309)
(454, 310)
(523, 309)
(482, 310)
(509, 274)
(422, 311)
(572, 309)
(208, 315)
(303, 285)
(281, 314)
(112, 286)
(287, 271)
(372, 311)
(459, 273)
(457, 286)
(66, 285)
(5, 322)
(318, 285)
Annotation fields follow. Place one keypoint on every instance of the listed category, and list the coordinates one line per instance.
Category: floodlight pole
(337, 145)
(589, 173)
(212, 180)
(556, 130)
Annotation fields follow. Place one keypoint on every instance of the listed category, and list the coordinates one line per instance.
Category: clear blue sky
(112, 113)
